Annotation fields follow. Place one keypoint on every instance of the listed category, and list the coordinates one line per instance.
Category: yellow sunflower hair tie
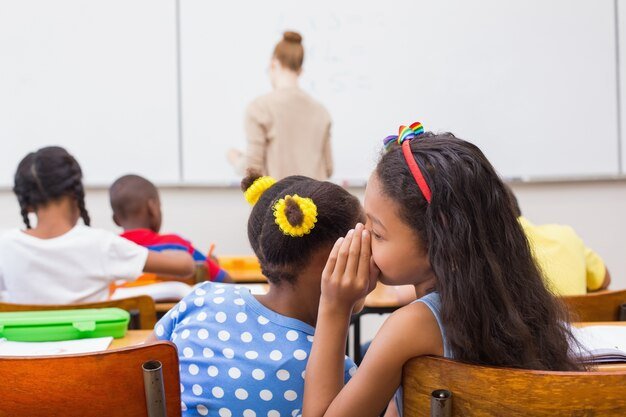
(295, 215)
(257, 188)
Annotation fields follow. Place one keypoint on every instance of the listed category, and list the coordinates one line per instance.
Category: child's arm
(170, 262)
(409, 332)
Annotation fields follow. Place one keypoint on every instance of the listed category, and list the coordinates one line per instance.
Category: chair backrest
(488, 391)
(601, 306)
(99, 384)
(141, 307)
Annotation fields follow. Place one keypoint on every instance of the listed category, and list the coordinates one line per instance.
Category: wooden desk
(132, 338)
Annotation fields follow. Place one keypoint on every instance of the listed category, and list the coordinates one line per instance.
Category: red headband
(415, 170)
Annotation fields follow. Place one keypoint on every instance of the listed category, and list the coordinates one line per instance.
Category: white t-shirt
(76, 267)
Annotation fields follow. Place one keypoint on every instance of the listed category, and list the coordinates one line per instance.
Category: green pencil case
(54, 325)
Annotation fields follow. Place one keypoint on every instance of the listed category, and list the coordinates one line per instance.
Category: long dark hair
(282, 256)
(47, 175)
(496, 309)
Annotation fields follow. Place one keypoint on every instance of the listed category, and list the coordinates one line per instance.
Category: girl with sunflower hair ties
(244, 354)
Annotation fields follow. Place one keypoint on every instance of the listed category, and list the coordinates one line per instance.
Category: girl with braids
(59, 261)
(438, 218)
(244, 354)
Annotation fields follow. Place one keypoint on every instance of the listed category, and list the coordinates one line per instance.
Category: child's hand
(346, 276)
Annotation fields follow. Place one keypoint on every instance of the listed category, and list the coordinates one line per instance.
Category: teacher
(288, 132)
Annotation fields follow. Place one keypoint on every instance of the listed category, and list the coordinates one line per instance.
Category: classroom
(418, 205)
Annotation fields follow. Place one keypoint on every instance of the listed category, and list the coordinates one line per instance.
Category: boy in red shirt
(137, 209)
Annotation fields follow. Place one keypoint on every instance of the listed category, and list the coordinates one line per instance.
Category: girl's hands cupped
(348, 275)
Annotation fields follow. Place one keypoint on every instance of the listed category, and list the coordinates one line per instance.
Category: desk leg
(357, 340)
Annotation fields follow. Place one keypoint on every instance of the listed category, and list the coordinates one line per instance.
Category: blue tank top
(433, 302)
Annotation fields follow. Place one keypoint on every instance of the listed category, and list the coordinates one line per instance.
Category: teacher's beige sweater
(288, 134)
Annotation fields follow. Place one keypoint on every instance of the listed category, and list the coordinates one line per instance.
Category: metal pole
(153, 386)
(441, 403)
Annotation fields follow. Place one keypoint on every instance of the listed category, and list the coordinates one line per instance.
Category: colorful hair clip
(405, 134)
(305, 220)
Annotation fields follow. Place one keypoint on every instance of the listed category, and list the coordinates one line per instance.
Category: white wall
(207, 215)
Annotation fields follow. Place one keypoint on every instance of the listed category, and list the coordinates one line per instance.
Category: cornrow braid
(47, 175)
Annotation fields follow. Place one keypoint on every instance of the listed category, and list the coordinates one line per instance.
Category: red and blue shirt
(156, 242)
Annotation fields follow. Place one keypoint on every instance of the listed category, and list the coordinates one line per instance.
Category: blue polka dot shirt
(237, 357)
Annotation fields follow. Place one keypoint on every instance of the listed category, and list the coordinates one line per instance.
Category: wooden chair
(600, 306)
(141, 308)
(486, 391)
(109, 383)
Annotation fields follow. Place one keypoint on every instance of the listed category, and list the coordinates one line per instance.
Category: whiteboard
(532, 82)
(98, 77)
(621, 21)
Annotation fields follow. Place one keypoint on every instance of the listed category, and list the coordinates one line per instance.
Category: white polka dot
(219, 291)
(203, 334)
(309, 338)
(303, 372)
(188, 352)
(193, 369)
(275, 355)
(174, 336)
(269, 337)
(251, 354)
(197, 389)
(241, 393)
(218, 300)
(207, 353)
(292, 335)
(199, 301)
(234, 373)
(282, 374)
(266, 395)
(186, 321)
(249, 413)
(239, 301)
(241, 317)
(212, 370)
(290, 395)
(223, 335)
(183, 406)
(294, 413)
(299, 354)
(182, 306)
(201, 316)
(217, 392)
(228, 353)
(185, 334)
(237, 287)
(159, 330)
(225, 412)
(262, 320)
(202, 410)
(352, 371)
(273, 413)
(174, 314)
(220, 317)
(246, 337)
(258, 374)
(200, 291)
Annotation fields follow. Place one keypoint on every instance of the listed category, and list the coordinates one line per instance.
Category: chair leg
(622, 312)
(153, 386)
